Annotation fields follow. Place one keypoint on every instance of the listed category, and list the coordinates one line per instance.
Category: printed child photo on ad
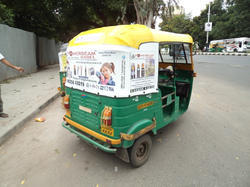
(105, 74)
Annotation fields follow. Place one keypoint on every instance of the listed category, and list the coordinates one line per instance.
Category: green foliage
(35, 15)
(239, 16)
(77, 16)
(230, 20)
(6, 15)
(178, 23)
(63, 19)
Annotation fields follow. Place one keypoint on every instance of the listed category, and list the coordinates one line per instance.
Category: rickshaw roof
(127, 35)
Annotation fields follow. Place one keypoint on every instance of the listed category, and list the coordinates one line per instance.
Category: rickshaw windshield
(174, 53)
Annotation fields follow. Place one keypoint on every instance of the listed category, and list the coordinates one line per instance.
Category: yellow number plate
(107, 130)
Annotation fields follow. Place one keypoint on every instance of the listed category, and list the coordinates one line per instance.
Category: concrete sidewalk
(26, 96)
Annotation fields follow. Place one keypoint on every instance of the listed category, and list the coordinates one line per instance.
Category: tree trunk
(150, 19)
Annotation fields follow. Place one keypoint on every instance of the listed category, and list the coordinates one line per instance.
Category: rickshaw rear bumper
(89, 140)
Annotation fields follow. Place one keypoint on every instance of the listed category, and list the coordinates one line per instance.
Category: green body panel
(127, 117)
(137, 126)
(62, 75)
(124, 110)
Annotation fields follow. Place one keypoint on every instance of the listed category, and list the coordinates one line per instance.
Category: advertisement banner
(113, 73)
(62, 61)
(95, 71)
(144, 68)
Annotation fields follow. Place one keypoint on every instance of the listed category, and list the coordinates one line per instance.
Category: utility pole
(208, 19)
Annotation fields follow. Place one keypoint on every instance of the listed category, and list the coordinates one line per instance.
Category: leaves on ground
(23, 181)
(159, 140)
(40, 119)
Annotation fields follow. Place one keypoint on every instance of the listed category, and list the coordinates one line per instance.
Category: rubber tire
(135, 162)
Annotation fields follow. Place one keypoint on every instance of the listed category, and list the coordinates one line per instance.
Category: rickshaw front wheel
(140, 151)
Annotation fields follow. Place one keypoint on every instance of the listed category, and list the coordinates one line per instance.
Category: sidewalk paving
(25, 96)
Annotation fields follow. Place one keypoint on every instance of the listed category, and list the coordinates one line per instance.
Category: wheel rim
(141, 151)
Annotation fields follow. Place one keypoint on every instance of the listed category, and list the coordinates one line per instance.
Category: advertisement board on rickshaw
(117, 72)
(121, 89)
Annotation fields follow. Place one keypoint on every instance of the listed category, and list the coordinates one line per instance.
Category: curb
(16, 125)
(225, 54)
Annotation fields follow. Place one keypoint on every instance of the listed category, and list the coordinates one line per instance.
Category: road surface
(208, 146)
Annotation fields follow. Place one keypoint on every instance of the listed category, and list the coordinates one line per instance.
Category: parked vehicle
(63, 65)
(238, 44)
(121, 89)
(217, 46)
(230, 45)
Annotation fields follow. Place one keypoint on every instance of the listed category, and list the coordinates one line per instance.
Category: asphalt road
(208, 146)
(232, 69)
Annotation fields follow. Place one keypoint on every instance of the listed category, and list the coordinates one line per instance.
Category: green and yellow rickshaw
(63, 65)
(123, 84)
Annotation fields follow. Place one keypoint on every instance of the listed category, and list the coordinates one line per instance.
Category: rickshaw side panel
(184, 91)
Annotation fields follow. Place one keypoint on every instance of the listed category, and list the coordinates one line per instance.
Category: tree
(6, 15)
(178, 24)
(147, 11)
(230, 20)
(35, 15)
(63, 19)
(239, 16)
(198, 32)
(77, 16)
(170, 8)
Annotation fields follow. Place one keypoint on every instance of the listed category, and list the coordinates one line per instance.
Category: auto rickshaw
(62, 64)
(123, 84)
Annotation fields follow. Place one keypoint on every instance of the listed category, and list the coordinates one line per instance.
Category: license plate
(85, 109)
(107, 130)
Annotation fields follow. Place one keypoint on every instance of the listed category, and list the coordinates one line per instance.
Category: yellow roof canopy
(127, 35)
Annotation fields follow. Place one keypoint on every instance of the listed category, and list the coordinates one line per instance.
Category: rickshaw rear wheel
(140, 151)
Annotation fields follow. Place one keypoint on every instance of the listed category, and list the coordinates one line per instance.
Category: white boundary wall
(21, 49)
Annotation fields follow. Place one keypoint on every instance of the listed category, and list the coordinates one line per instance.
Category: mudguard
(136, 130)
